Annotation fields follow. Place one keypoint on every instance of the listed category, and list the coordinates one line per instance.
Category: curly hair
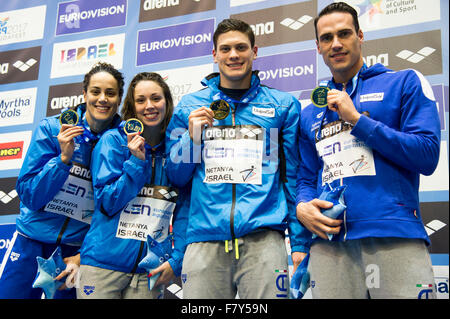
(105, 67)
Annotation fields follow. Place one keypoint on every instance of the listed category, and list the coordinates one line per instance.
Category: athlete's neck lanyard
(247, 97)
(87, 135)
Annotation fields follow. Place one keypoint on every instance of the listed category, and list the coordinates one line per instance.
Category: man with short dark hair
(376, 131)
(243, 184)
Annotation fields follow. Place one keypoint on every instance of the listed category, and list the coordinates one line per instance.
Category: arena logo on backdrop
(87, 15)
(284, 24)
(19, 65)
(289, 71)
(64, 96)
(9, 199)
(22, 25)
(383, 14)
(420, 51)
(160, 9)
(17, 107)
(178, 42)
(78, 57)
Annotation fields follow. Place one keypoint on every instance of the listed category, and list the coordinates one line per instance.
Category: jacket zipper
(233, 186)
(141, 247)
(63, 229)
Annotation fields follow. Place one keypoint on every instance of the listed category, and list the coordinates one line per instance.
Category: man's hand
(197, 121)
(167, 274)
(71, 271)
(297, 258)
(310, 216)
(340, 102)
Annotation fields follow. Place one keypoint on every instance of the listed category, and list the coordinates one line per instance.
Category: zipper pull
(233, 116)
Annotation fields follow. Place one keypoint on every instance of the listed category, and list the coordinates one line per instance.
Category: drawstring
(236, 246)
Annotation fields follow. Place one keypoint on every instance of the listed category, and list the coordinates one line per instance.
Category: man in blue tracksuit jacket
(243, 176)
(379, 132)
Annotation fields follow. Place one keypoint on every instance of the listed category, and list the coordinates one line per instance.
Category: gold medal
(319, 96)
(133, 126)
(220, 108)
(69, 117)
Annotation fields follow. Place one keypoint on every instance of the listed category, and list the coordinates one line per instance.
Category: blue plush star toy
(157, 254)
(336, 196)
(48, 269)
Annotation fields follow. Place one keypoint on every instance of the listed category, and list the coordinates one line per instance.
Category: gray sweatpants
(261, 272)
(371, 268)
(100, 283)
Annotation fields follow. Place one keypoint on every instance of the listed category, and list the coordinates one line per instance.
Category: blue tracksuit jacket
(223, 211)
(400, 124)
(118, 177)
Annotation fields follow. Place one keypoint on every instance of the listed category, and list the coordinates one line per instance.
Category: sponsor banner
(87, 15)
(382, 14)
(185, 80)
(419, 51)
(17, 107)
(438, 181)
(22, 25)
(441, 280)
(160, 9)
(13, 147)
(78, 57)
(6, 234)
(435, 219)
(64, 96)
(288, 72)
(9, 200)
(176, 42)
(19, 65)
(285, 24)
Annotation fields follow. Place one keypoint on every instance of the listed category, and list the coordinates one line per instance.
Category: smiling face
(150, 103)
(234, 57)
(102, 100)
(340, 45)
